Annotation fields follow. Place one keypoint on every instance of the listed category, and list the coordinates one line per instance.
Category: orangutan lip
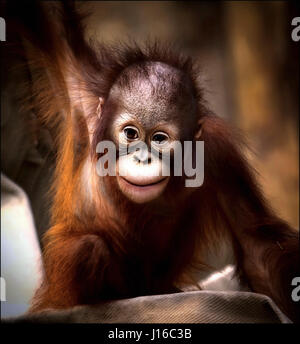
(145, 185)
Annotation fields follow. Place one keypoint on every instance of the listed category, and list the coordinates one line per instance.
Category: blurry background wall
(250, 69)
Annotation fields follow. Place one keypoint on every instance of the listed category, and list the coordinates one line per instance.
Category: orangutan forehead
(154, 90)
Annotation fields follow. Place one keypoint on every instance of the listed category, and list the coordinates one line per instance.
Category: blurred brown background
(250, 69)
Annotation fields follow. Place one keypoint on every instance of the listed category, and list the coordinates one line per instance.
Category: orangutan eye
(160, 138)
(131, 133)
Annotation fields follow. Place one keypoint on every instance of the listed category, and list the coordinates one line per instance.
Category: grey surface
(21, 266)
(186, 307)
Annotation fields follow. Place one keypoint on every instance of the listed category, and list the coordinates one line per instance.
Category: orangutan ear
(199, 129)
(99, 107)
